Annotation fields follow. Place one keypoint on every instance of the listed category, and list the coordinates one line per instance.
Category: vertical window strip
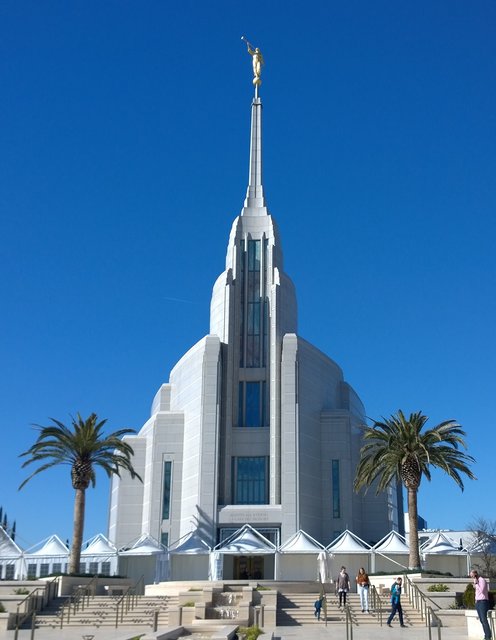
(241, 404)
(242, 258)
(166, 490)
(336, 501)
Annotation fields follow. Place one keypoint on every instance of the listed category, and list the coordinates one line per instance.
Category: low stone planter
(474, 627)
(4, 621)
(441, 599)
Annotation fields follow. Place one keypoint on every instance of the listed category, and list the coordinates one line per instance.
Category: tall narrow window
(336, 501)
(250, 480)
(242, 258)
(241, 404)
(253, 404)
(253, 408)
(166, 490)
(253, 311)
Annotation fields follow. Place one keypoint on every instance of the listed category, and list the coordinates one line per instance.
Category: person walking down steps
(318, 607)
(363, 584)
(396, 603)
(343, 586)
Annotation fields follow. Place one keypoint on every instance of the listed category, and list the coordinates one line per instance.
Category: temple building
(256, 426)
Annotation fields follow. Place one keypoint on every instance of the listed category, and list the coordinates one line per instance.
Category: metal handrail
(30, 603)
(86, 590)
(349, 623)
(128, 600)
(420, 601)
(377, 602)
(431, 616)
(81, 594)
(416, 598)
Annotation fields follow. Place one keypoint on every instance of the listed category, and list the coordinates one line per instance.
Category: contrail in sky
(177, 300)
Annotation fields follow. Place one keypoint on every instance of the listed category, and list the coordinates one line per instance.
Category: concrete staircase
(294, 608)
(101, 611)
(297, 609)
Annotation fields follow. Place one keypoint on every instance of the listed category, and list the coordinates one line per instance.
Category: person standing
(396, 603)
(481, 601)
(343, 586)
(363, 584)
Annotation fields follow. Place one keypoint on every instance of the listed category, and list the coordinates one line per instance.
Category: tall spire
(255, 193)
(255, 199)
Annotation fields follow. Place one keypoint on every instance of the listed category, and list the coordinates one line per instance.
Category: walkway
(312, 632)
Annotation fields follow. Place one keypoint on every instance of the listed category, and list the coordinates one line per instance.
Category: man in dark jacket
(396, 603)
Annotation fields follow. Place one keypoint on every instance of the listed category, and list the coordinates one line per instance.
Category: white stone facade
(256, 426)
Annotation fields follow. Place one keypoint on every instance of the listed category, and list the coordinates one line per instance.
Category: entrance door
(248, 568)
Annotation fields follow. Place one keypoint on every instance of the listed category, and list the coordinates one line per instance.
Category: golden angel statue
(257, 61)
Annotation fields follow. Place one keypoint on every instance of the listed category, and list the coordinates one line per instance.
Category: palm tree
(83, 447)
(396, 449)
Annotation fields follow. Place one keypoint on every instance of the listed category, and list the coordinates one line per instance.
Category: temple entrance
(248, 567)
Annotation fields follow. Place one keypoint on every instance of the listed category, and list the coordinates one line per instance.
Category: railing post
(33, 625)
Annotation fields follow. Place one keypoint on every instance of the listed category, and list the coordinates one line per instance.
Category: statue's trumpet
(245, 40)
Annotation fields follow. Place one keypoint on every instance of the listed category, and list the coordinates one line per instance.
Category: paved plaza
(310, 632)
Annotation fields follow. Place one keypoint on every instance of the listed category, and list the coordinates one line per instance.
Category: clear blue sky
(124, 138)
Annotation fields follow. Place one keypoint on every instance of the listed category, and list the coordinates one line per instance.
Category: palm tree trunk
(77, 531)
(414, 559)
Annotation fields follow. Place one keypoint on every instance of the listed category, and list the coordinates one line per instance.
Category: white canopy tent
(390, 554)
(99, 556)
(12, 565)
(440, 554)
(351, 552)
(189, 558)
(301, 557)
(246, 554)
(48, 556)
(146, 557)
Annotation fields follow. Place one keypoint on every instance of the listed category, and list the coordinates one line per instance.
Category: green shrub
(249, 633)
(469, 597)
(22, 591)
(2, 608)
(190, 603)
(439, 588)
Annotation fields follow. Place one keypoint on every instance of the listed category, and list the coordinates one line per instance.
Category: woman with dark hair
(343, 586)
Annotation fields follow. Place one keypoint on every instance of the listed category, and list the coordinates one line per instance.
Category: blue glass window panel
(336, 501)
(265, 413)
(167, 490)
(240, 404)
(252, 410)
(253, 255)
(250, 481)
